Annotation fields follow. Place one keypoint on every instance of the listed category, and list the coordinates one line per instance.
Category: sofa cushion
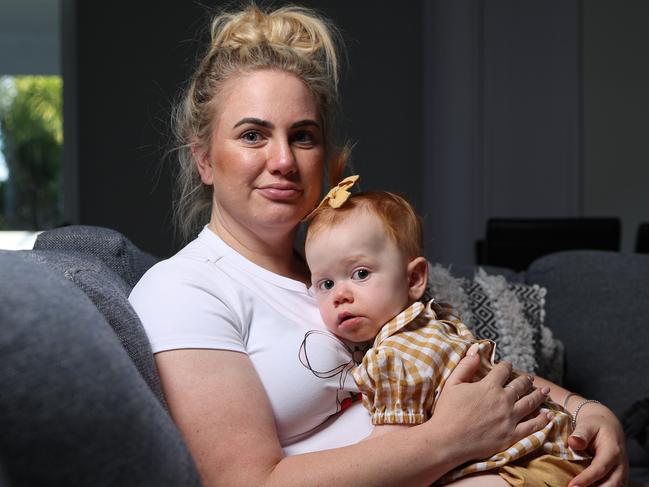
(468, 271)
(73, 408)
(595, 301)
(598, 306)
(109, 293)
(636, 422)
(110, 246)
(509, 313)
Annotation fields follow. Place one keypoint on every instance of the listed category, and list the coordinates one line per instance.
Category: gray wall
(616, 112)
(129, 67)
(503, 111)
(130, 59)
(472, 108)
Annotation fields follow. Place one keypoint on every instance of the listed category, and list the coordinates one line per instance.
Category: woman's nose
(281, 159)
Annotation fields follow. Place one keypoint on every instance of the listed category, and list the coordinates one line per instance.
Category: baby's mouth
(347, 318)
(344, 316)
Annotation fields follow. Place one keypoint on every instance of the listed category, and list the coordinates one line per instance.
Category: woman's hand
(599, 432)
(487, 416)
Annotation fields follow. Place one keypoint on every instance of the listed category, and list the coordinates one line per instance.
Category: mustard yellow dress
(403, 373)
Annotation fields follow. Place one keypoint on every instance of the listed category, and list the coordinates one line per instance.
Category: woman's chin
(282, 219)
(289, 214)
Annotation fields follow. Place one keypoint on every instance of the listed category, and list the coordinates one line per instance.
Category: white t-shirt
(209, 296)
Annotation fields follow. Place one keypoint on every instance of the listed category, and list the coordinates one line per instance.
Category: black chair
(516, 242)
(642, 239)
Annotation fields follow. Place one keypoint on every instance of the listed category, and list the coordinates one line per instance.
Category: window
(31, 125)
(31, 131)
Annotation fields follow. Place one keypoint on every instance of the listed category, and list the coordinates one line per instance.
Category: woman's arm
(217, 401)
(598, 431)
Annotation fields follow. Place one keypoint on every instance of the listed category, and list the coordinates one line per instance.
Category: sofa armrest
(116, 251)
(74, 410)
(598, 306)
(109, 293)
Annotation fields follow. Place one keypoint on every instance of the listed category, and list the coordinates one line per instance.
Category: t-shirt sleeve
(180, 308)
(394, 392)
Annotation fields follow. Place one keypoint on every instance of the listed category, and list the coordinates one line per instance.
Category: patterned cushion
(483, 318)
(548, 350)
(510, 313)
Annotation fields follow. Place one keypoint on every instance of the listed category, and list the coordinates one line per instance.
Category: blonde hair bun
(290, 27)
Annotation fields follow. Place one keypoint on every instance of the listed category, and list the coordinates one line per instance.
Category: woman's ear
(417, 278)
(203, 164)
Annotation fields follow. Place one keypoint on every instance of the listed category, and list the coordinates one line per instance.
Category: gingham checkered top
(411, 358)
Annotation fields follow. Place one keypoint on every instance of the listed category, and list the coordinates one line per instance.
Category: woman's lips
(280, 191)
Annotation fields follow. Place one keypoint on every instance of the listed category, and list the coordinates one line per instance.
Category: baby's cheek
(327, 316)
(330, 321)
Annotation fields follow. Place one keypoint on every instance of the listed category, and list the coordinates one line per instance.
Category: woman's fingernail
(545, 390)
(550, 415)
(473, 350)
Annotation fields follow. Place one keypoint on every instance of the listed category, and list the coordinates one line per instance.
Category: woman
(227, 315)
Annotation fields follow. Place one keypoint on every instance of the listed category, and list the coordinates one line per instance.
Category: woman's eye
(360, 274)
(251, 137)
(325, 285)
(303, 138)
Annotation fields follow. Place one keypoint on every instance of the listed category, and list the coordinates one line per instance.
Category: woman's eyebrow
(267, 124)
(305, 123)
(254, 121)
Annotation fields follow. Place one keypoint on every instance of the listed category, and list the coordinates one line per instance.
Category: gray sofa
(81, 402)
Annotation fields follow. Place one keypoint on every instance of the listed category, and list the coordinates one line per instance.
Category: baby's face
(358, 275)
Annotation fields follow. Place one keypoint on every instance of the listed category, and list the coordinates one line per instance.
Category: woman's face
(266, 155)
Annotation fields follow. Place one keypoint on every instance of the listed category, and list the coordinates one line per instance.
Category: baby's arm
(384, 429)
(386, 378)
(480, 480)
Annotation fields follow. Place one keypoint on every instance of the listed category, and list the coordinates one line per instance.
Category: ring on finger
(518, 396)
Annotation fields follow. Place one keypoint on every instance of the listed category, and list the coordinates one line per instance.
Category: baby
(368, 276)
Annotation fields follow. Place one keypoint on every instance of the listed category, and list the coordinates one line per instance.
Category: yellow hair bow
(337, 195)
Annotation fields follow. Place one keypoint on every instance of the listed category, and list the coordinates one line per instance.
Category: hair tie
(337, 195)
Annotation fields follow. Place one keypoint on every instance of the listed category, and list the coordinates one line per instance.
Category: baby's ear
(417, 277)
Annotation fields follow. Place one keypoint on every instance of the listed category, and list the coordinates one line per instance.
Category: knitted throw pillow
(511, 314)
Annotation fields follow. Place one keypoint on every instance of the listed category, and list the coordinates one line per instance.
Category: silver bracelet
(581, 405)
(565, 401)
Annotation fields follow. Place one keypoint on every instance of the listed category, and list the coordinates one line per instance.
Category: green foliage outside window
(31, 127)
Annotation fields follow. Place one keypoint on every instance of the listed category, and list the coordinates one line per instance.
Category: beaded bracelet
(581, 405)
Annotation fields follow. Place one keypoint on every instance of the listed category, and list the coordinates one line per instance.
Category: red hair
(397, 215)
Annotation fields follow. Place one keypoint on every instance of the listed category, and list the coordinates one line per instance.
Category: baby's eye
(325, 285)
(360, 274)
